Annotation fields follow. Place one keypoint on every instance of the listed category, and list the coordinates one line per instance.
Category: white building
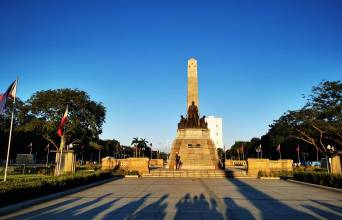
(216, 133)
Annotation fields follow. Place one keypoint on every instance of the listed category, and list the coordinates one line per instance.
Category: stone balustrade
(236, 163)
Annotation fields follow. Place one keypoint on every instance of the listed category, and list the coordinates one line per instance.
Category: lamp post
(151, 150)
(330, 149)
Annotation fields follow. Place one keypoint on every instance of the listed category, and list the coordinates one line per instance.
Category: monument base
(195, 148)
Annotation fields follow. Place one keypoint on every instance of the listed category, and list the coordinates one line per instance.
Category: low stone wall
(256, 165)
(158, 163)
(281, 165)
(235, 163)
(108, 163)
(267, 166)
(139, 164)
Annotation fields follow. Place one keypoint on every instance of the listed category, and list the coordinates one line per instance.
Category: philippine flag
(10, 92)
(63, 121)
(278, 148)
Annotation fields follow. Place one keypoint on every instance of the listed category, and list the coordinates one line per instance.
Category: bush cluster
(309, 169)
(274, 174)
(132, 172)
(320, 178)
(19, 190)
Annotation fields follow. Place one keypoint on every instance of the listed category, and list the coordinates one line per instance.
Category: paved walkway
(153, 198)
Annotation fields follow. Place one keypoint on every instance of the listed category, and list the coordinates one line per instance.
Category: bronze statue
(183, 123)
(203, 123)
(193, 117)
(193, 120)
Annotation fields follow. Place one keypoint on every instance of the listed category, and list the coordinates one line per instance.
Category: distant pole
(60, 155)
(151, 150)
(317, 154)
(10, 135)
(225, 155)
(47, 155)
(298, 157)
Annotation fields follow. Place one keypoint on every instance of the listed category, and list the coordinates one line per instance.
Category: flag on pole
(63, 121)
(10, 92)
(297, 149)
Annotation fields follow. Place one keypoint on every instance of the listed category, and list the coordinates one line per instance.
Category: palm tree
(135, 142)
(143, 145)
(98, 147)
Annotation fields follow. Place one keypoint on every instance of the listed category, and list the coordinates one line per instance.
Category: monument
(193, 144)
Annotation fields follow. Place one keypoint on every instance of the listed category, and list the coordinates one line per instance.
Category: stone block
(159, 163)
(336, 165)
(256, 165)
(108, 163)
(266, 165)
(139, 164)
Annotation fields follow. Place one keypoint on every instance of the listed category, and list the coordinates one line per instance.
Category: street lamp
(151, 150)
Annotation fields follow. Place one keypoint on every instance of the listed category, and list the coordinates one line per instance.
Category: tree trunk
(99, 156)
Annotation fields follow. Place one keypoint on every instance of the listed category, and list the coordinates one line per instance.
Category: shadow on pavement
(197, 207)
(268, 207)
(47, 211)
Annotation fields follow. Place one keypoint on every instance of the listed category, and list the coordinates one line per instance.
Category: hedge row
(320, 178)
(18, 190)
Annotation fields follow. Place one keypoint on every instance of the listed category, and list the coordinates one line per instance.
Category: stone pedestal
(68, 162)
(196, 149)
(336, 165)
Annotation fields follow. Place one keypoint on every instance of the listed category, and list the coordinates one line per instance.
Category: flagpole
(60, 155)
(10, 134)
(298, 156)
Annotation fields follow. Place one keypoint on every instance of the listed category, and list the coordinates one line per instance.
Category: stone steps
(162, 173)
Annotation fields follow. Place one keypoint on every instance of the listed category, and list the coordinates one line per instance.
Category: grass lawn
(21, 187)
(24, 177)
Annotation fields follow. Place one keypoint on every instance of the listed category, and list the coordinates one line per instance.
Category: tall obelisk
(192, 82)
(192, 142)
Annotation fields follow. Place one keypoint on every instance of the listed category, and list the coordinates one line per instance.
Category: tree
(135, 142)
(98, 147)
(143, 146)
(45, 108)
(318, 123)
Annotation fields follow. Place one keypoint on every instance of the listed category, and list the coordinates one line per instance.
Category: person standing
(177, 161)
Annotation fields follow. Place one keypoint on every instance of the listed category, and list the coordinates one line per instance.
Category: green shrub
(320, 178)
(274, 174)
(261, 174)
(132, 172)
(22, 189)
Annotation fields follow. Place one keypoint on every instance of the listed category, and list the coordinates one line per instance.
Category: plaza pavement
(153, 198)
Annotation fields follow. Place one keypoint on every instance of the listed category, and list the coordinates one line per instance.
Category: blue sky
(255, 58)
